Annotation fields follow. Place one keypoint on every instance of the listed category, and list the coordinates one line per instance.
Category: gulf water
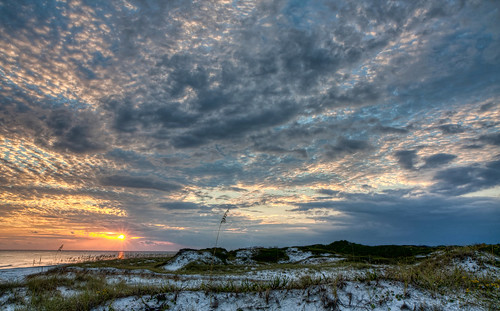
(10, 259)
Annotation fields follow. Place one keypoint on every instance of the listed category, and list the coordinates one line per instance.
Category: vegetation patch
(8, 286)
(148, 263)
(270, 255)
(382, 254)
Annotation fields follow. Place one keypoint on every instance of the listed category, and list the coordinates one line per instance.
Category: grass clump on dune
(148, 263)
(442, 273)
(46, 292)
(8, 286)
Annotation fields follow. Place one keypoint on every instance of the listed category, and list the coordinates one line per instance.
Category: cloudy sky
(311, 121)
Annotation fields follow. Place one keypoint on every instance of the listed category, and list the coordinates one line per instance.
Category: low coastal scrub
(382, 254)
(270, 255)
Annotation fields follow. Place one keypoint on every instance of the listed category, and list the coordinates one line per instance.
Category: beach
(19, 274)
(463, 278)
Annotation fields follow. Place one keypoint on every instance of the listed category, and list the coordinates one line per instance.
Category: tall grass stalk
(222, 221)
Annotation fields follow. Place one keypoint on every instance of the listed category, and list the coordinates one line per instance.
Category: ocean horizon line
(85, 250)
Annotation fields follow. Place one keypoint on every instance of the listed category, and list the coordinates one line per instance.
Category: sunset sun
(121, 237)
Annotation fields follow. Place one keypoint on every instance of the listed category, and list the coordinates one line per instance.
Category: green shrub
(270, 255)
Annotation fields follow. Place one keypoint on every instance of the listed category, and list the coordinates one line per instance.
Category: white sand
(18, 274)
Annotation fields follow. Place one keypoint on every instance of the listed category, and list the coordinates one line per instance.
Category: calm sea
(22, 259)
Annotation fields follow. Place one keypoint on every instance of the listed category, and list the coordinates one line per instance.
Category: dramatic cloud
(493, 139)
(437, 160)
(345, 146)
(406, 158)
(462, 180)
(160, 115)
(138, 182)
(420, 220)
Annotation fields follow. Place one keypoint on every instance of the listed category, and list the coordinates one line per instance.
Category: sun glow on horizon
(110, 235)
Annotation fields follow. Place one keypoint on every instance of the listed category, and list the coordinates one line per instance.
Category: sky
(376, 122)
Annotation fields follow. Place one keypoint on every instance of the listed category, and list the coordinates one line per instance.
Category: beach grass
(80, 291)
(147, 263)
